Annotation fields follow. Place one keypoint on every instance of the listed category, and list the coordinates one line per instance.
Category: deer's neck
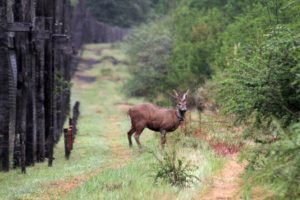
(179, 115)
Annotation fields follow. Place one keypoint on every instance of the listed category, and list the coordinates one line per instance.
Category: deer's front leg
(163, 138)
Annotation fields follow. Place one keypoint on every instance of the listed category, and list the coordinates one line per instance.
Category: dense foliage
(187, 59)
(276, 164)
(259, 68)
(265, 84)
(149, 65)
(250, 51)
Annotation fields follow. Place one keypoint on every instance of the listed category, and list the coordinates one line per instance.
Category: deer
(156, 118)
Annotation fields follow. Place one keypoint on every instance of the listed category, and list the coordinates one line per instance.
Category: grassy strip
(135, 180)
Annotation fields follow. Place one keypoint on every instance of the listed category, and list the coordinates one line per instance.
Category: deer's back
(152, 117)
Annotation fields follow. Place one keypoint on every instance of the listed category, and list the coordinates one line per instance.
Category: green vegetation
(128, 13)
(185, 58)
(149, 64)
(131, 176)
(249, 51)
(237, 57)
(135, 180)
(173, 170)
(276, 165)
(118, 12)
(262, 76)
(265, 85)
(101, 165)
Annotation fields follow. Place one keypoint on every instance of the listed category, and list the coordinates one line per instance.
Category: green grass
(100, 117)
(135, 180)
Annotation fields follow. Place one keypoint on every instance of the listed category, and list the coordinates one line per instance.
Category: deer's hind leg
(163, 138)
(129, 134)
(137, 137)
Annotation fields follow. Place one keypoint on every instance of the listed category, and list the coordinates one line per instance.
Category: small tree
(174, 170)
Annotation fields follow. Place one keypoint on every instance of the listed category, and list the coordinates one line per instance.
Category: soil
(221, 148)
(224, 149)
(226, 184)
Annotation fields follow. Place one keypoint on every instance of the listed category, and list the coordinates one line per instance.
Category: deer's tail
(128, 116)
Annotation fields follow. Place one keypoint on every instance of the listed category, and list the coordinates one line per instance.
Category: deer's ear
(185, 94)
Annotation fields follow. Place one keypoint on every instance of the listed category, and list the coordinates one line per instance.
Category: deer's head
(181, 102)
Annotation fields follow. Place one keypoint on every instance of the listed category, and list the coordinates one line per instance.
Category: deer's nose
(183, 109)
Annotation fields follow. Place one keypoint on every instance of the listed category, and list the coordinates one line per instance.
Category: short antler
(185, 94)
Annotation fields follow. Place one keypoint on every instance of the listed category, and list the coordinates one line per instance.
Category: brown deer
(156, 119)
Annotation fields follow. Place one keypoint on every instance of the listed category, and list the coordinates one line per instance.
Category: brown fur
(156, 119)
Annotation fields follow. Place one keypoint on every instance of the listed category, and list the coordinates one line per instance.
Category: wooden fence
(71, 131)
(38, 43)
(86, 29)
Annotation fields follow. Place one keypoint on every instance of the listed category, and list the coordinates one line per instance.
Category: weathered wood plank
(40, 91)
(13, 73)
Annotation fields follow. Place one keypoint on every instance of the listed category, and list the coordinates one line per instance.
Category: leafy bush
(174, 52)
(258, 81)
(195, 33)
(264, 82)
(276, 164)
(174, 170)
(148, 47)
(61, 85)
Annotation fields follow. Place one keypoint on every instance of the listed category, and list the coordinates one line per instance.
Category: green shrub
(264, 82)
(173, 170)
(148, 48)
(61, 85)
(276, 164)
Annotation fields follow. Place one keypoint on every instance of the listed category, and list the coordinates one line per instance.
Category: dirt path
(226, 184)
